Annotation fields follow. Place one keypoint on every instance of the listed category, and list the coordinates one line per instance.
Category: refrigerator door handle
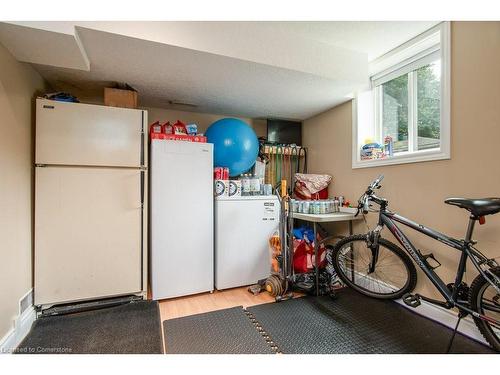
(142, 228)
(142, 139)
(142, 188)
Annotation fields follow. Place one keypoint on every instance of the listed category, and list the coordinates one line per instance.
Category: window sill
(403, 158)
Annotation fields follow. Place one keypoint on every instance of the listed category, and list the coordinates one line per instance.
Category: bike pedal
(411, 300)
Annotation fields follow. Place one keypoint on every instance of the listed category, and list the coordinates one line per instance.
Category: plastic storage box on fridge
(182, 255)
(243, 226)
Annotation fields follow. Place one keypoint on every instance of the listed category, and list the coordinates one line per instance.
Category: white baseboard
(22, 325)
(447, 318)
(21, 328)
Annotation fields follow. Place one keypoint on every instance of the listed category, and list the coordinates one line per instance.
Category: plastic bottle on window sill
(388, 146)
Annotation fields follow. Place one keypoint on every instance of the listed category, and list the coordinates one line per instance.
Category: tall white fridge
(90, 176)
(181, 209)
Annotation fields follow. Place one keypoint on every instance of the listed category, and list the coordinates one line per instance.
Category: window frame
(422, 50)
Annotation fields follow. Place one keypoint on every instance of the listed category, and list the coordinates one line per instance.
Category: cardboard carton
(120, 98)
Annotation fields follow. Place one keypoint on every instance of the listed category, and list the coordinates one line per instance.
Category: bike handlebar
(375, 184)
(364, 200)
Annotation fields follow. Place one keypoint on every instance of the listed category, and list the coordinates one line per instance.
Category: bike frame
(389, 219)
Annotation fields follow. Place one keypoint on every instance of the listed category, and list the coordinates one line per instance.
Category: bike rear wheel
(394, 273)
(484, 299)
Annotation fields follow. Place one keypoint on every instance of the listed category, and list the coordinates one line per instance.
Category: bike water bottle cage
(436, 263)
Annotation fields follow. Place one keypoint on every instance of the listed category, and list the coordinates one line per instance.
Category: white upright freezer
(90, 175)
(243, 226)
(181, 208)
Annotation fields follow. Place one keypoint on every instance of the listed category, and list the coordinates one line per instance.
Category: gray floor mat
(130, 328)
(353, 323)
(227, 331)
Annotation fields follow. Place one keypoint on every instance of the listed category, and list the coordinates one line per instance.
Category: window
(404, 117)
(393, 119)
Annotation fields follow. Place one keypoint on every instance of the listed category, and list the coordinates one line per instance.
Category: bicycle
(379, 268)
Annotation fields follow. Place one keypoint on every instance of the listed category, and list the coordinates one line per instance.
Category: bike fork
(372, 241)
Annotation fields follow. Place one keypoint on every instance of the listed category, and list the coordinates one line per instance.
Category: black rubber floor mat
(227, 331)
(353, 323)
(130, 328)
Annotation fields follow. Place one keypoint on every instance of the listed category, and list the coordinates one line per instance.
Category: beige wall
(203, 120)
(418, 190)
(18, 84)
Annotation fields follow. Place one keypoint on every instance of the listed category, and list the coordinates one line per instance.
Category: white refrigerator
(181, 209)
(243, 226)
(90, 176)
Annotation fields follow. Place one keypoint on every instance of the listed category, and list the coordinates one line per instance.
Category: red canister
(155, 128)
(218, 171)
(167, 128)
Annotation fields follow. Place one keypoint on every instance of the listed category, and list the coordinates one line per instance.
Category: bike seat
(477, 207)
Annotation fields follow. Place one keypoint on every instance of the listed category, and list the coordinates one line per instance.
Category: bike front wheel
(391, 277)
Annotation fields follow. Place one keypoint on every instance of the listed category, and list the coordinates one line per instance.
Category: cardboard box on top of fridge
(119, 97)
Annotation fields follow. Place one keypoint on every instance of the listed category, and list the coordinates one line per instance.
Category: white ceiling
(44, 46)
(217, 84)
(371, 37)
(254, 69)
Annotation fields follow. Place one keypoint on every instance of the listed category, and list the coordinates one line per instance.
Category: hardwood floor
(205, 302)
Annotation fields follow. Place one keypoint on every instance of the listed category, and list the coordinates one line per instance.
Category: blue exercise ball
(235, 145)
